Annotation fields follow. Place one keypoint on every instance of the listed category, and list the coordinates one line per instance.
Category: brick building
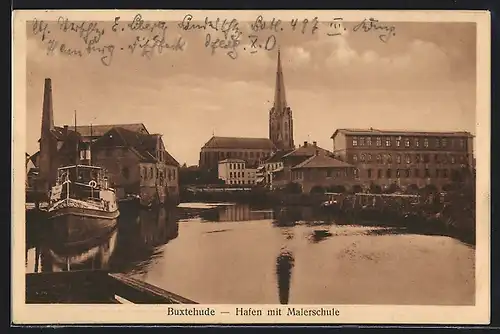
(138, 164)
(405, 158)
(283, 175)
(322, 171)
(250, 150)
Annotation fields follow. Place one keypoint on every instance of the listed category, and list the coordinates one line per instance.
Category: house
(235, 171)
(137, 163)
(323, 172)
(283, 174)
(267, 167)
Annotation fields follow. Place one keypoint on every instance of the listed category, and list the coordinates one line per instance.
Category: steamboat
(81, 204)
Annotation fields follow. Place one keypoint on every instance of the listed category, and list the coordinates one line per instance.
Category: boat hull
(76, 226)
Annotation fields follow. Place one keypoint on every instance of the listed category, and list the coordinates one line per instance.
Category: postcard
(257, 167)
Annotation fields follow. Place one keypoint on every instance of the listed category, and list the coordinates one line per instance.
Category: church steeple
(280, 115)
(279, 90)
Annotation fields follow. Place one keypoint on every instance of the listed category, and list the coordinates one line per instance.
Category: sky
(423, 78)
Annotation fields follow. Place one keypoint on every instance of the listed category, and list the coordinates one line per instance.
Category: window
(398, 158)
(369, 173)
(407, 173)
(368, 141)
(444, 142)
(150, 172)
(169, 175)
(230, 174)
(369, 157)
(379, 141)
(438, 142)
(407, 142)
(407, 158)
(173, 174)
(356, 173)
(462, 143)
(416, 172)
(361, 141)
(398, 173)
(417, 158)
(398, 142)
(427, 173)
(389, 159)
(426, 158)
(379, 174)
(436, 158)
(362, 157)
(354, 157)
(251, 154)
(379, 158)
(354, 141)
(387, 141)
(426, 142)
(437, 173)
(417, 142)
(388, 174)
(329, 173)
(144, 173)
(445, 173)
(452, 159)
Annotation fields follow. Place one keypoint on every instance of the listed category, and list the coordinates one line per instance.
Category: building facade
(404, 158)
(283, 174)
(250, 150)
(235, 172)
(322, 172)
(138, 164)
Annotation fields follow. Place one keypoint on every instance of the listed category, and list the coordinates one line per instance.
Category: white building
(234, 171)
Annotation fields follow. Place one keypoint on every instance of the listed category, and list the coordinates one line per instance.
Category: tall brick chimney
(48, 143)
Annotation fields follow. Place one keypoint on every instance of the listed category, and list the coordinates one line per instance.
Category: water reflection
(234, 213)
(284, 265)
(129, 247)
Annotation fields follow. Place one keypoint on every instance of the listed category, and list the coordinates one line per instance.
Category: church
(254, 150)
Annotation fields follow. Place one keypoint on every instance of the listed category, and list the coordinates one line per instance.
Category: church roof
(322, 161)
(239, 143)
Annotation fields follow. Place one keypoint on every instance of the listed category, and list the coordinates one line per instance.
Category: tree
(357, 188)
(412, 189)
(375, 188)
(293, 188)
(392, 188)
(317, 190)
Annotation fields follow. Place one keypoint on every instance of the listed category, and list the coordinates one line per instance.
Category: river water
(236, 254)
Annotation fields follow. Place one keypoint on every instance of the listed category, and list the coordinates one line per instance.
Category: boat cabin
(80, 181)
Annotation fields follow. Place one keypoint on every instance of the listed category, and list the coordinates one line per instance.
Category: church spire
(279, 93)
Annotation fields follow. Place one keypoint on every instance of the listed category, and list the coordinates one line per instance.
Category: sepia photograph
(259, 166)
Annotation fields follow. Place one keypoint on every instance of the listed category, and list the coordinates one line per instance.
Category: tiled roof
(371, 131)
(99, 130)
(240, 143)
(144, 145)
(322, 161)
(276, 157)
(308, 150)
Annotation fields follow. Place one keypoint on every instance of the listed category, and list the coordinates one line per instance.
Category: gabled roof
(277, 156)
(307, 150)
(143, 145)
(99, 130)
(322, 161)
(239, 143)
(374, 132)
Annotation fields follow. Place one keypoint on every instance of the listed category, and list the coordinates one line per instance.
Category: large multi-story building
(407, 158)
(235, 171)
(254, 150)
